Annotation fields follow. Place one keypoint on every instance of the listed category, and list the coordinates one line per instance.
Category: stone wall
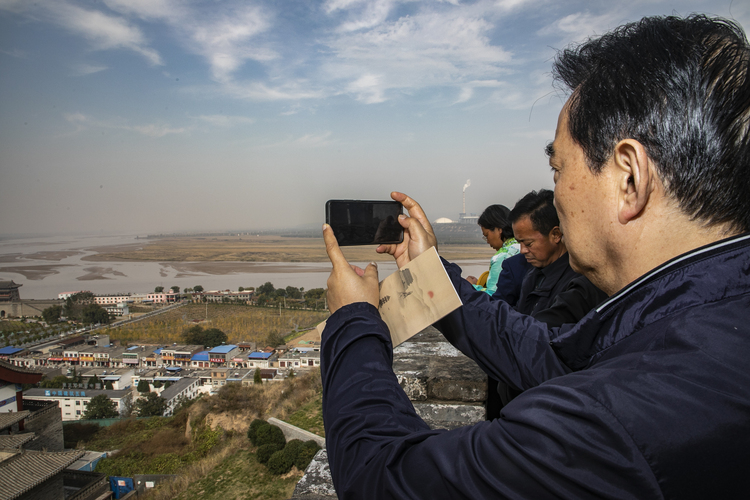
(46, 424)
(28, 308)
(448, 390)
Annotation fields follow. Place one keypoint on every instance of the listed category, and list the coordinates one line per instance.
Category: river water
(49, 265)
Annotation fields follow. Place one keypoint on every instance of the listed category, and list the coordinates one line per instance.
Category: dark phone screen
(357, 222)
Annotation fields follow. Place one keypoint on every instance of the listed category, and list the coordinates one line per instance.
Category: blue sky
(144, 116)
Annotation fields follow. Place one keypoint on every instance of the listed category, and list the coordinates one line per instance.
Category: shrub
(265, 451)
(269, 434)
(279, 464)
(292, 448)
(305, 454)
(253, 429)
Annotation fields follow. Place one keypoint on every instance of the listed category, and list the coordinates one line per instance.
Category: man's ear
(555, 235)
(635, 178)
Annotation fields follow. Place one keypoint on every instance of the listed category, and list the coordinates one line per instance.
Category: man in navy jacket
(648, 396)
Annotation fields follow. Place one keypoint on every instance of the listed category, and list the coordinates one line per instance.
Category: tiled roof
(28, 469)
(8, 419)
(19, 369)
(15, 440)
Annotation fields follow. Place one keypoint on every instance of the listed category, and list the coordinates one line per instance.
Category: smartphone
(361, 222)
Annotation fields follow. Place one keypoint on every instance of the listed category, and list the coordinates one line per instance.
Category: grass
(310, 416)
(240, 476)
(240, 322)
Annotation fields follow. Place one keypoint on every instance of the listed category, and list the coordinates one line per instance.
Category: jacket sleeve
(508, 286)
(552, 441)
(506, 344)
(574, 303)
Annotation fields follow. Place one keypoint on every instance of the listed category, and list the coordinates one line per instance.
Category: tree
(196, 335)
(108, 385)
(93, 381)
(313, 297)
(257, 378)
(293, 292)
(241, 289)
(274, 339)
(52, 314)
(100, 407)
(81, 307)
(94, 313)
(150, 406)
(158, 289)
(266, 289)
(197, 289)
(143, 386)
(175, 289)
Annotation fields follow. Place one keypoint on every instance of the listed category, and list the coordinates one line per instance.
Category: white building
(73, 402)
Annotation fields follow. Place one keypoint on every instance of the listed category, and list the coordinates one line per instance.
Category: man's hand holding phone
(348, 284)
(418, 233)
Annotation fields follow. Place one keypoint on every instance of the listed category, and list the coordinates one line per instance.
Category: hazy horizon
(164, 116)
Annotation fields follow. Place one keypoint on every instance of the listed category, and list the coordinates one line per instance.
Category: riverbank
(256, 249)
(107, 265)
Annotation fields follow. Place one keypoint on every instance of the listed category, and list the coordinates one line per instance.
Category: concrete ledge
(316, 484)
(292, 432)
(447, 389)
(429, 368)
(450, 416)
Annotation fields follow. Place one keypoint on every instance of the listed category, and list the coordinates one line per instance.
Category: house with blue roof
(223, 354)
(9, 351)
(200, 360)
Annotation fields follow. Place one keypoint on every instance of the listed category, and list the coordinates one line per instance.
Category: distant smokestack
(468, 183)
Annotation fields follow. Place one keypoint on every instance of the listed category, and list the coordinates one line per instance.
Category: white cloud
(83, 122)
(414, 52)
(226, 121)
(467, 91)
(368, 88)
(579, 26)
(314, 140)
(156, 130)
(17, 53)
(148, 9)
(103, 31)
(374, 13)
(303, 142)
(87, 69)
(226, 38)
(257, 91)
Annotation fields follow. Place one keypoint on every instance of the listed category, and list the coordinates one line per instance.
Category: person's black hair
(539, 207)
(680, 87)
(496, 217)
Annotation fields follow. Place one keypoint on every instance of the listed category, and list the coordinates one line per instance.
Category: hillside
(205, 443)
(241, 323)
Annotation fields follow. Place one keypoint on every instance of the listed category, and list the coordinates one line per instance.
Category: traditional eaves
(28, 469)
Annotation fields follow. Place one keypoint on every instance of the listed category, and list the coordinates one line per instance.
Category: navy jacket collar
(706, 274)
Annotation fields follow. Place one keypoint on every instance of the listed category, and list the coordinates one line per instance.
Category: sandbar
(38, 272)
